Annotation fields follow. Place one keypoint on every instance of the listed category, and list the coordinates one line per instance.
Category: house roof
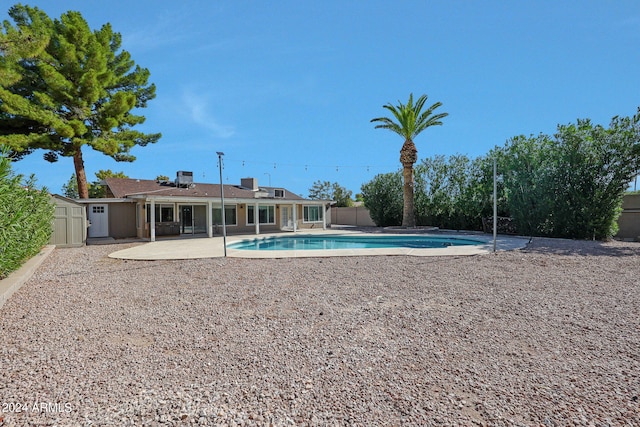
(127, 187)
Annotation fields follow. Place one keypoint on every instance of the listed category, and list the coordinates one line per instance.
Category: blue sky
(287, 89)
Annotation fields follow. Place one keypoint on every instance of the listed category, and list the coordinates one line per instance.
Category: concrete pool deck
(213, 247)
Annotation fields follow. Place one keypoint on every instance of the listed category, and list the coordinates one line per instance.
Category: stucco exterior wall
(241, 226)
(122, 220)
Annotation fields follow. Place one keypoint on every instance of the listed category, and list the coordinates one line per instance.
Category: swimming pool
(337, 242)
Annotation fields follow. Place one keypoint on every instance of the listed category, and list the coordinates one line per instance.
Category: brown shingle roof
(124, 187)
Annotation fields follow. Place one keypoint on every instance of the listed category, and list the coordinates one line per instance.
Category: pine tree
(69, 87)
(96, 188)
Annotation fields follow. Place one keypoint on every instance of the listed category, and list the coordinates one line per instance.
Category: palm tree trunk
(81, 176)
(408, 214)
(408, 157)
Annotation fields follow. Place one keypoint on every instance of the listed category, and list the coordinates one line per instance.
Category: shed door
(99, 218)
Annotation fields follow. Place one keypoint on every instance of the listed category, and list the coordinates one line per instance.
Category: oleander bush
(26, 218)
(383, 198)
(570, 184)
(450, 192)
(456, 192)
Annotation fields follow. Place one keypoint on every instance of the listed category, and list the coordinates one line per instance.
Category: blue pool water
(307, 242)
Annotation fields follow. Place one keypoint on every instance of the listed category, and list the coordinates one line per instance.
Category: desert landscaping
(544, 336)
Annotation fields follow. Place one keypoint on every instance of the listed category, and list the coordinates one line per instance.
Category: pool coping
(213, 247)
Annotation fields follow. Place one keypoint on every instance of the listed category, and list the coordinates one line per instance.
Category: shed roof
(64, 199)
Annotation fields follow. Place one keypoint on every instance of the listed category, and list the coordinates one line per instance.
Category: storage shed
(69, 224)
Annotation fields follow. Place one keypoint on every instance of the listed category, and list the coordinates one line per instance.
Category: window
(279, 193)
(312, 213)
(266, 214)
(230, 215)
(164, 213)
(98, 209)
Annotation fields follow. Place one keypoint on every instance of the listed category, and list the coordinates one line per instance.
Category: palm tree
(410, 122)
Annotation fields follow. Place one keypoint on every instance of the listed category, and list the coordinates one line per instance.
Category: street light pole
(224, 224)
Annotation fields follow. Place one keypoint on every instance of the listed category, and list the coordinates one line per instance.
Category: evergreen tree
(70, 189)
(96, 188)
(325, 190)
(321, 190)
(341, 195)
(68, 88)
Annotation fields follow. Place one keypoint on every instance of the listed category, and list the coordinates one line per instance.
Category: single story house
(149, 208)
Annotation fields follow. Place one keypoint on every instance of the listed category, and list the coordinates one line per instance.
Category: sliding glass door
(193, 219)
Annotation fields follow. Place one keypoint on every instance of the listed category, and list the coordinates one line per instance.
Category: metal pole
(224, 224)
(495, 205)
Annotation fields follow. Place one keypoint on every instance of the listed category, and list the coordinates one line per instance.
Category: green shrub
(571, 184)
(452, 193)
(384, 198)
(26, 218)
(456, 192)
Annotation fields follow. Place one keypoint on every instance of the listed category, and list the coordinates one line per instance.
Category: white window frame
(159, 207)
(305, 213)
(252, 207)
(227, 223)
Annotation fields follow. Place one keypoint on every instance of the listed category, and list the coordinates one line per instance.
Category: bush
(567, 185)
(384, 198)
(571, 184)
(455, 192)
(26, 218)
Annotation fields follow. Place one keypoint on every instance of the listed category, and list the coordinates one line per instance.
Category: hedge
(26, 218)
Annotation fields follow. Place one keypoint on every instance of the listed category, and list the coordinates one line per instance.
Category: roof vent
(184, 179)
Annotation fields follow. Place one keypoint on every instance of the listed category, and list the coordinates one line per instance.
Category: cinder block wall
(629, 221)
(358, 216)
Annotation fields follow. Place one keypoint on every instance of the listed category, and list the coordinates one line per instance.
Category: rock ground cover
(545, 336)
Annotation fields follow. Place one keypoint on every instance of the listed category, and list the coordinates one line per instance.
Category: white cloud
(164, 30)
(198, 111)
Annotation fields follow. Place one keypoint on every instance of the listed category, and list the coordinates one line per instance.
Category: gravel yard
(545, 336)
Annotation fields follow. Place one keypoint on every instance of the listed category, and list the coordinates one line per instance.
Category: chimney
(250, 183)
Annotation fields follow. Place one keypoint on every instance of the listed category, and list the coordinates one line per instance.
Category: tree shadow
(614, 248)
